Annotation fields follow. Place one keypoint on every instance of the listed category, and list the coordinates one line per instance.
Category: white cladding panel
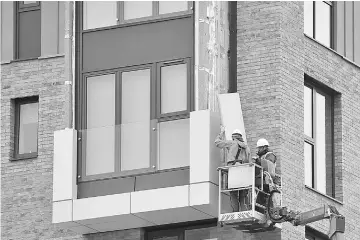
(160, 199)
(62, 211)
(64, 169)
(101, 207)
(204, 155)
(231, 114)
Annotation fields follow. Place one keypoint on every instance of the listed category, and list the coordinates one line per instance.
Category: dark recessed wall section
(131, 184)
(139, 44)
(347, 29)
(232, 54)
(29, 34)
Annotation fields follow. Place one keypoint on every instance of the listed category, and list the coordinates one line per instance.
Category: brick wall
(273, 56)
(331, 69)
(26, 186)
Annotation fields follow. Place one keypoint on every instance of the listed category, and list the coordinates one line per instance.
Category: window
(312, 234)
(26, 127)
(134, 100)
(28, 30)
(191, 231)
(124, 119)
(318, 145)
(318, 21)
(102, 14)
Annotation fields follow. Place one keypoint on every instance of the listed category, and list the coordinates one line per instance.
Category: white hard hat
(236, 131)
(262, 142)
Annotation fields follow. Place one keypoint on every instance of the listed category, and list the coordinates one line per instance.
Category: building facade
(109, 114)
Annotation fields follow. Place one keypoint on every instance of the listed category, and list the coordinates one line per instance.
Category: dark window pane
(320, 169)
(308, 18)
(323, 143)
(28, 126)
(166, 238)
(308, 163)
(308, 111)
(322, 22)
(203, 233)
(29, 31)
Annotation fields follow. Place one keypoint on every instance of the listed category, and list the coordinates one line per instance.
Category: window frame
(162, 117)
(318, 88)
(18, 103)
(121, 22)
(117, 155)
(20, 7)
(155, 118)
(80, 119)
(332, 14)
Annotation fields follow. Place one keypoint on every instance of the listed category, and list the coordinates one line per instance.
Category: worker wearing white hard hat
(237, 152)
(237, 149)
(266, 158)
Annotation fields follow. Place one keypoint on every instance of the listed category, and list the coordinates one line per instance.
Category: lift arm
(337, 221)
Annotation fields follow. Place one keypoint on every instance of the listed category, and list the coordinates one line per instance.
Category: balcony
(137, 207)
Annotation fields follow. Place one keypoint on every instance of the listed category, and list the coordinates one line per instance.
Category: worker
(266, 159)
(237, 152)
(237, 149)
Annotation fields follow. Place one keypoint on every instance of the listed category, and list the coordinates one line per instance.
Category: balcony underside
(138, 209)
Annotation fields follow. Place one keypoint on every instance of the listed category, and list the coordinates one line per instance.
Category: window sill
(331, 198)
(334, 51)
(23, 59)
(30, 59)
(125, 175)
(25, 156)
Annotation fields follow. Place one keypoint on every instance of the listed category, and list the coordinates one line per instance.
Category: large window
(318, 145)
(132, 126)
(318, 21)
(135, 89)
(189, 232)
(312, 234)
(26, 127)
(28, 30)
(102, 14)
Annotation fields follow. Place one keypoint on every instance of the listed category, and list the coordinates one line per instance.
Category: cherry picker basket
(243, 183)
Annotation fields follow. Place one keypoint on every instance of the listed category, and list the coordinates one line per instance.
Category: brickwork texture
(273, 55)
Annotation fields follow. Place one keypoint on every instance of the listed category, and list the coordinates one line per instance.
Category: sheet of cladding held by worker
(231, 114)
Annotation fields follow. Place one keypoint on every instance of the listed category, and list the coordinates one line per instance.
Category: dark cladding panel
(131, 184)
(139, 44)
(29, 34)
(7, 31)
(61, 33)
(357, 32)
(340, 27)
(49, 27)
(105, 187)
(162, 180)
(349, 30)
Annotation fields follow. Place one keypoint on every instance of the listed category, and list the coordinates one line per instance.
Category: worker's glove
(222, 129)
